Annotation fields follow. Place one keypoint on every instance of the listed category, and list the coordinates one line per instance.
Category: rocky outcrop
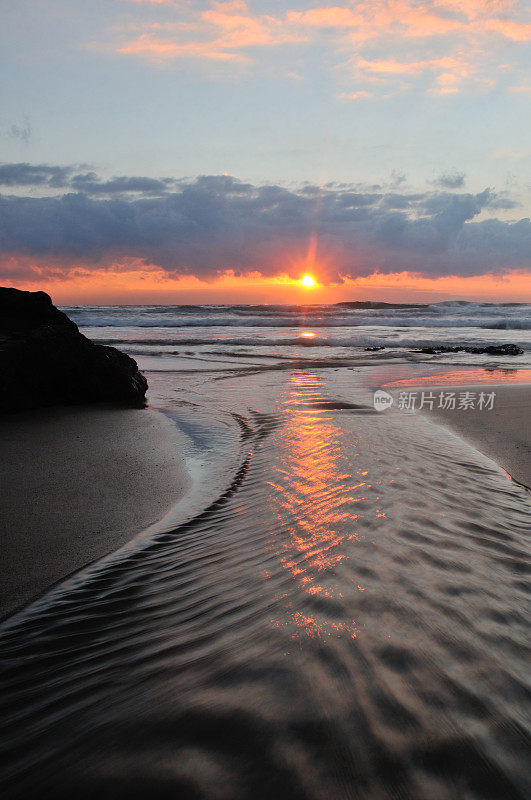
(45, 360)
(490, 350)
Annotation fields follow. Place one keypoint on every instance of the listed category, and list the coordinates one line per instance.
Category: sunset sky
(200, 151)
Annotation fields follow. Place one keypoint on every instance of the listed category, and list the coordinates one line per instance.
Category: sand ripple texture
(347, 619)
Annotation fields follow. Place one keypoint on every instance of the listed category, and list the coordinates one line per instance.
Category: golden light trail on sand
(313, 497)
(465, 377)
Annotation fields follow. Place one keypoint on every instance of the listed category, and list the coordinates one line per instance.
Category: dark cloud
(455, 180)
(122, 184)
(36, 175)
(43, 175)
(216, 222)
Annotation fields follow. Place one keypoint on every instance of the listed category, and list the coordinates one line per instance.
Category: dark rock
(444, 349)
(491, 350)
(22, 311)
(45, 360)
(373, 349)
(504, 350)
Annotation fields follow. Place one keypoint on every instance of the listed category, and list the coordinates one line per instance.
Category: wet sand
(503, 434)
(348, 618)
(78, 483)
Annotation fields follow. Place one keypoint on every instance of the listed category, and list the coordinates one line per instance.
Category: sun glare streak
(308, 281)
(312, 498)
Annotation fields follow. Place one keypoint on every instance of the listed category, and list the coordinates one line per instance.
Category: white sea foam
(439, 315)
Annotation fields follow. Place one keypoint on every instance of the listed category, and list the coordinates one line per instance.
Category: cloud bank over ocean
(66, 217)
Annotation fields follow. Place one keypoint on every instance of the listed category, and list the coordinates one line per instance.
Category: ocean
(338, 608)
(328, 330)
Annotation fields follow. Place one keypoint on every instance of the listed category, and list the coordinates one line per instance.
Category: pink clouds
(240, 29)
(411, 68)
(457, 41)
(516, 31)
(449, 73)
(361, 95)
(161, 49)
(223, 32)
(327, 17)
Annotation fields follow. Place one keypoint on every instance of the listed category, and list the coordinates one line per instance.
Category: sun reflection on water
(314, 497)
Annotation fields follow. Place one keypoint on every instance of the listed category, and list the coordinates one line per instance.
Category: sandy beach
(503, 434)
(77, 483)
(355, 572)
(128, 473)
(265, 391)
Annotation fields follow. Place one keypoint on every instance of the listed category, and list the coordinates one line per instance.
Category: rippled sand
(348, 618)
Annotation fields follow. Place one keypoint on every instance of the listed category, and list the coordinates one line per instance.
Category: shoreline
(502, 434)
(79, 482)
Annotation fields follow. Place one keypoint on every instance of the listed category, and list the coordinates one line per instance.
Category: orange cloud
(516, 31)
(387, 17)
(161, 50)
(467, 32)
(361, 95)
(452, 71)
(241, 29)
(127, 283)
(390, 66)
(476, 8)
(216, 34)
(328, 17)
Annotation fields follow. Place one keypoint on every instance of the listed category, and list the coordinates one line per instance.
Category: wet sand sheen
(347, 620)
(78, 483)
(503, 434)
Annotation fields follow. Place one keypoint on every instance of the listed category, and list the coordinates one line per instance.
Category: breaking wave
(439, 315)
(167, 347)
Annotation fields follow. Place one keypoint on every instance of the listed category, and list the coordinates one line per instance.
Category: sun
(307, 281)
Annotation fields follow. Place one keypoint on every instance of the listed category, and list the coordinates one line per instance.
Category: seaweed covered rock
(45, 360)
(491, 350)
